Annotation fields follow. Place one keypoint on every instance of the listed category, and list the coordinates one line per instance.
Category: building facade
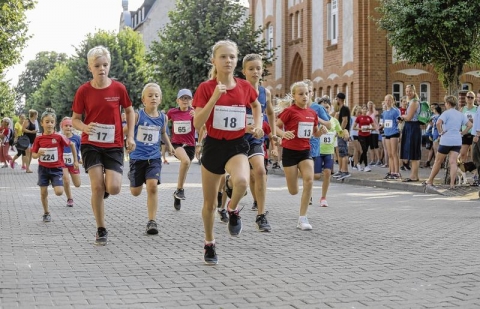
(337, 45)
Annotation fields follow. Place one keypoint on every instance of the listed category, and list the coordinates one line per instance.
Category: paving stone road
(372, 248)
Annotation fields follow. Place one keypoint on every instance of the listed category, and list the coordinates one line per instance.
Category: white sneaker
(323, 203)
(367, 169)
(303, 224)
(359, 167)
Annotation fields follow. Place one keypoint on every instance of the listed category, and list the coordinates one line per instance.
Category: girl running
(69, 168)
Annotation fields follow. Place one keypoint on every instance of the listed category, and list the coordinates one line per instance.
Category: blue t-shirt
(148, 134)
(390, 124)
(262, 99)
(315, 141)
(453, 121)
(67, 158)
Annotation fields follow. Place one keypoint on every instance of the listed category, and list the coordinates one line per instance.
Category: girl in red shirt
(296, 125)
(364, 125)
(48, 149)
(220, 103)
(5, 133)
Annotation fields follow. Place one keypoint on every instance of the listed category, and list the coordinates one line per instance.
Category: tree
(182, 54)
(36, 71)
(13, 31)
(7, 99)
(442, 33)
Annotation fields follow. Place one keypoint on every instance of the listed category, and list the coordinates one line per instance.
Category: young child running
(69, 170)
(100, 101)
(299, 124)
(253, 70)
(183, 140)
(146, 159)
(220, 103)
(325, 160)
(48, 149)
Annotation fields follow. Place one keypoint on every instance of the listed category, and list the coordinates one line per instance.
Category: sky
(59, 25)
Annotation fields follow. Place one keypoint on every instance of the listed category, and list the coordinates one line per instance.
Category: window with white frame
(397, 91)
(269, 39)
(292, 22)
(333, 22)
(424, 92)
(467, 86)
(299, 24)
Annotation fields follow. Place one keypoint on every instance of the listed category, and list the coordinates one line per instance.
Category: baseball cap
(183, 92)
(341, 95)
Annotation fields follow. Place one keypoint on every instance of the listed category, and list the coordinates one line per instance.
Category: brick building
(337, 45)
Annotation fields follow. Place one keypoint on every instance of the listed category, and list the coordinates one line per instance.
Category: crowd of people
(233, 126)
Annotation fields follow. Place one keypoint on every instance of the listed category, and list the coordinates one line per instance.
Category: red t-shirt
(54, 144)
(266, 131)
(103, 107)
(6, 135)
(183, 131)
(363, 120)
(403, 111)
(228, 117)
(301, 122)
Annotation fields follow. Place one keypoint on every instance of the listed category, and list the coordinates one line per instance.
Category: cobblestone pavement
(371, 248)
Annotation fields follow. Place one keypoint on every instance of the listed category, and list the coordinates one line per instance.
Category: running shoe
(177, 204)
(210, 256)
(12, 164)
(262, 223)
(152, 228)
(372, 163)
(70, 202)
(367, 169)
(101, 236)
(379, 163)
(180, 194)
(234, 222)
(303, 224)
(344, 175)
(359, 167)
(254, 206)
(337, 174)
(47, 217)
(223, 215)
(323, 202)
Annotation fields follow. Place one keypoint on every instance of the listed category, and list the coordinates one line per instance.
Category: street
(371, 247)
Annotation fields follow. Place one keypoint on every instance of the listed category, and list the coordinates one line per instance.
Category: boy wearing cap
(183, 140)
(344, 119)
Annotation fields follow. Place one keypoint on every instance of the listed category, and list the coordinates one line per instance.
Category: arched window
(424, 92)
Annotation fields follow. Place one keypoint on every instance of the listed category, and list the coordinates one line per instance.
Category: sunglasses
(470, 97)
(185, 98)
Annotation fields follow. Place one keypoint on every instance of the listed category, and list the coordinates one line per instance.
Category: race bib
(305, 129)
(68, 158)
(388, 123)
(50, 156)
(229, 118)
(148, 134)
(182, 127)
(365, 128)
(104, 133)
(250, 121)
(327, 138)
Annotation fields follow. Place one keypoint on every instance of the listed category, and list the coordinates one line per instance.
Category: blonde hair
(251, 57)
(9, 121)
(414, 91)
(97, 52)
(213, 71)
(356, 109)
(283, 103)
(296, 85)
(390, 97)
(151, 85)
(472, 93)
(450, 99)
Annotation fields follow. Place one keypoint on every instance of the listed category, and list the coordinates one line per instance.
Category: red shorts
(72, 170)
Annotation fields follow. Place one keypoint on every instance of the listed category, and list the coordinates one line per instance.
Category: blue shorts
(446, 149)
(49, 175)
(141, 170)
(323, 161)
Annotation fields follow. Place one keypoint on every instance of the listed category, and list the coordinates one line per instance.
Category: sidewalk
(375, 178)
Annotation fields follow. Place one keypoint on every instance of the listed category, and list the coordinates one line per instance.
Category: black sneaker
(152, 228)
(46, 217)
(219, 199)
(223, 215)
(177, 203)
(210, 256)
(234, 222)
(101, 236)
(180, 194)
(262, 223)
(254, 206)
